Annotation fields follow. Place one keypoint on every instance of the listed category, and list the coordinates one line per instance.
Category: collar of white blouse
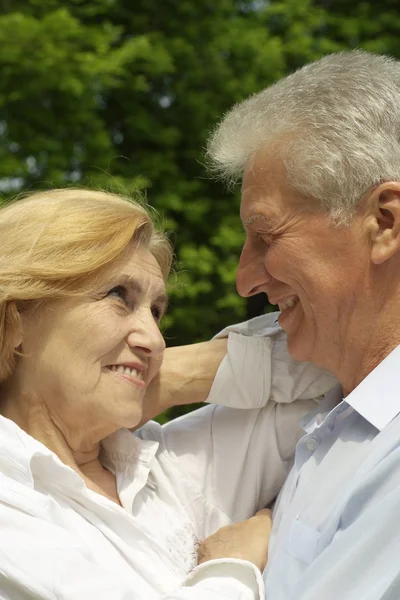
(125, 455)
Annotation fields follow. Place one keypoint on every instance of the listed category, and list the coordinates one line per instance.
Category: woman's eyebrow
(136, 287)
(133, 283)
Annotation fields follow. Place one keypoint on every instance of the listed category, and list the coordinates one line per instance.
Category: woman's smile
(133, 374)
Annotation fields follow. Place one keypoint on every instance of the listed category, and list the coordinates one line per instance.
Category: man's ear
(385, 229)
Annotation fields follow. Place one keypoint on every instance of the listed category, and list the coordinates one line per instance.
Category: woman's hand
(185, 377)
(247, 540)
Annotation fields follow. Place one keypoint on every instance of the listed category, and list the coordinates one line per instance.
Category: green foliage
(122, 95)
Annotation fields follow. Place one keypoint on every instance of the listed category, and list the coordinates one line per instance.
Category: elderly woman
(87, 508)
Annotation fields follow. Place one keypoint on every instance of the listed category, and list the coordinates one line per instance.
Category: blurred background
(121, 95)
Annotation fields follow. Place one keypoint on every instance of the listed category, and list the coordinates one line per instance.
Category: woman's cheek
(155, 367)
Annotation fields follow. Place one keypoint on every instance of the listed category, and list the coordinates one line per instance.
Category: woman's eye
(157, 313)
(119, 292)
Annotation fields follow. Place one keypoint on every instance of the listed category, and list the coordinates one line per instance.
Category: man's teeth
(287, 303)
(127, 371)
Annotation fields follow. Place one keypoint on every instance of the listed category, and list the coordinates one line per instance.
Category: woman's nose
(147, 336)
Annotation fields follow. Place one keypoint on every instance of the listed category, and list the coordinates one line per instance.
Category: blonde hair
(53, 243)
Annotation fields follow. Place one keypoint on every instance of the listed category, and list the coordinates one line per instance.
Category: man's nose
(251, 275)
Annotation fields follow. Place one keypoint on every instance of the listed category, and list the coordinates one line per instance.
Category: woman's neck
(35, 420)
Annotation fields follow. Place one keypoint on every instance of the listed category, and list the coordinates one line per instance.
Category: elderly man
(319, 152)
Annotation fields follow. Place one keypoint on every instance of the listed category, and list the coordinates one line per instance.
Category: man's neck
(368, 349)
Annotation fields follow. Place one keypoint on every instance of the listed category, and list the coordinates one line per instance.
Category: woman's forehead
(140, 269)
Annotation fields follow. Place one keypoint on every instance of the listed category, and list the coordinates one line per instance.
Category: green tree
(122, 95)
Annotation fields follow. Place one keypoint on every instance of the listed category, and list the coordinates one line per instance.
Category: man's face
(314, 271)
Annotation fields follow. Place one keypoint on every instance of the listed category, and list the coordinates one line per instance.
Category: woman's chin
(127, 420)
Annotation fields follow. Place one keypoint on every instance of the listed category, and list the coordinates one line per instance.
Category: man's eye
(262, 239)
(267, 239)
(118, 292)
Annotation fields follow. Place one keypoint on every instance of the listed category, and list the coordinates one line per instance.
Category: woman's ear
(11, 332)
(13, 316)
(385, 228)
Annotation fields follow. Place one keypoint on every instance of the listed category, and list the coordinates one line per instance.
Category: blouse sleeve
(42, 560)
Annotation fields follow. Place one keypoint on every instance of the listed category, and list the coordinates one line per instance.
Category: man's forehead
(268, 199)
(254, 178)
(266, 166)
(260, 190)
(258, 203)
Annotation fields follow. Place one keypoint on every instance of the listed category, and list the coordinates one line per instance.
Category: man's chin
(299, 348)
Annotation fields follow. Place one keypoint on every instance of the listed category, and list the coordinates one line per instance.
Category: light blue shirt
(336, 526)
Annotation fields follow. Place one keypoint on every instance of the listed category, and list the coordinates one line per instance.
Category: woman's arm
(253, 367)
(185, 377)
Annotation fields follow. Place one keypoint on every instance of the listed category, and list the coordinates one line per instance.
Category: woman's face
(88, 361)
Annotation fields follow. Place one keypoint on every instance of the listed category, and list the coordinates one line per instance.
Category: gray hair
(337, 125)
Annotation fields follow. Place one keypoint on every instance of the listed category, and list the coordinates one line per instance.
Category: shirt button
(312, 443)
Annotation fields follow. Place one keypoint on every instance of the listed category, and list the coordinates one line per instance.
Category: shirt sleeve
(42, 561)
(258, 368)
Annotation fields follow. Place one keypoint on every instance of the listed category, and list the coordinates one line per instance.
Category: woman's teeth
(127, 371)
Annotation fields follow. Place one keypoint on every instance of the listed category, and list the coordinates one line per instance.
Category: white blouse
(177, 484)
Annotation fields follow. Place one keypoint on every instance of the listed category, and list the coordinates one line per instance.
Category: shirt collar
(130, 459)
(26, 460)
(377, 397)
(325, 407)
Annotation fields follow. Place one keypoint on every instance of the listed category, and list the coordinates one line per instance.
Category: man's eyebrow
(247, 223)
